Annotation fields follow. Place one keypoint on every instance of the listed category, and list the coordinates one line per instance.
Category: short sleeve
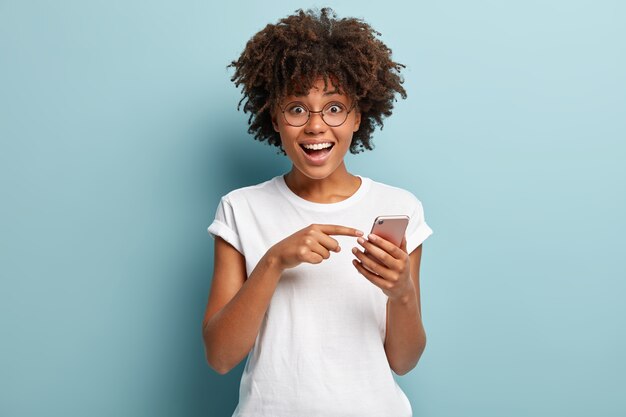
(417, 230)
(225, 225)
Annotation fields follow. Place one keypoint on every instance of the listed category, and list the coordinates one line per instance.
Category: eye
(296, 109)
(335, 108)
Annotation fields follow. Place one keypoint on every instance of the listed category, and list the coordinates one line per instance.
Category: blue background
(119, 133)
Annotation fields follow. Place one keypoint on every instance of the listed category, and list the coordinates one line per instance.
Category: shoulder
(393, 193)
(253, 189)
(251, 193)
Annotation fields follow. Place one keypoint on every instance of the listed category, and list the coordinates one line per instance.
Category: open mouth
(317, 153)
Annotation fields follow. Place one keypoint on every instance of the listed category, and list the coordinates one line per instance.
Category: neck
(336, 187)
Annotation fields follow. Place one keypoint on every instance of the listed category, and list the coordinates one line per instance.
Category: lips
(318, 157)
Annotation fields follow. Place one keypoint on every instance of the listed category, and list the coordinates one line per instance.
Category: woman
(322, 327)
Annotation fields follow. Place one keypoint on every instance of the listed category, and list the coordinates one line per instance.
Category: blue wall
(119, 133)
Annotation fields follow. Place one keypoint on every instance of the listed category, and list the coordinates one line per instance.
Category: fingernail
(360, 240)
(372, 237)
(354, 250)
(338, 248)
(359, 233)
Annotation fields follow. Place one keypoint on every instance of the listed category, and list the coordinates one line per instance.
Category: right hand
(311, 244)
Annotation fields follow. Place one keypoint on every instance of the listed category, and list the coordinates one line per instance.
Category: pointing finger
(335, 229)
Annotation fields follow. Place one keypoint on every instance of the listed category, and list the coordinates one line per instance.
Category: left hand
(389, 265)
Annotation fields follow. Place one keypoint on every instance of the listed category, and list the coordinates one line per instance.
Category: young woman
(322, 327)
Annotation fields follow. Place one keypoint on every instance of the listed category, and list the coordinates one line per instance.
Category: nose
(315, 123)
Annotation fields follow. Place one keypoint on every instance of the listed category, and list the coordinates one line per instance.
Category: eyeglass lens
(297, 114)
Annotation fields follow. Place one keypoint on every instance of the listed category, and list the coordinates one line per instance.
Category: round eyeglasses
(334, 114)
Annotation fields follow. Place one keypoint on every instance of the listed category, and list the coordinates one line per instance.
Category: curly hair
(288, 57)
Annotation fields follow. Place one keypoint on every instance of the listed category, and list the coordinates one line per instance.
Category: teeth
(318, 146)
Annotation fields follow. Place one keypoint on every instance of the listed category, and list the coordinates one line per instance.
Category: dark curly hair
(288, 57)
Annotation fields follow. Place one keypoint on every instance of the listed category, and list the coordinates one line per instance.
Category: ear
(274, 121)
(357, 120)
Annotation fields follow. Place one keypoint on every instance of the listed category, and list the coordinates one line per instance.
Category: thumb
(403, 244)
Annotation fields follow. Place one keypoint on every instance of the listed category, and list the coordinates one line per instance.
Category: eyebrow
(329, 93)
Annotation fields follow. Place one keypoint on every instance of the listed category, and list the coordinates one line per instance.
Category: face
(323, 163)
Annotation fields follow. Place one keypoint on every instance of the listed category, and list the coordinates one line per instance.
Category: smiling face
(317, 164)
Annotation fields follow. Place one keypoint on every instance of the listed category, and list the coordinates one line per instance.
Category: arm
(406, 339)
(236, 306)
(397, 274)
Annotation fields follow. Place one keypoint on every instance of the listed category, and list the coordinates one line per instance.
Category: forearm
(230, 333)
(406, 338)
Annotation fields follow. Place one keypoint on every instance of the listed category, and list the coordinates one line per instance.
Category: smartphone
(391, 228)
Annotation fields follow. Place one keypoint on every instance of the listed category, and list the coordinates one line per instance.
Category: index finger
(335, 229)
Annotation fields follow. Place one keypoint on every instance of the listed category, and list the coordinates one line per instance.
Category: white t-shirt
(320, 349)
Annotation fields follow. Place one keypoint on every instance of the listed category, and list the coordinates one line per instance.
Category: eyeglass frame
(319, 111)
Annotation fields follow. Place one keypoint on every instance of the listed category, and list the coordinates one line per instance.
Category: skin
(236, 305)
(330, 182)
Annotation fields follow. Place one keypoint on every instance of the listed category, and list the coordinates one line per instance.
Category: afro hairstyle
(288, 57)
